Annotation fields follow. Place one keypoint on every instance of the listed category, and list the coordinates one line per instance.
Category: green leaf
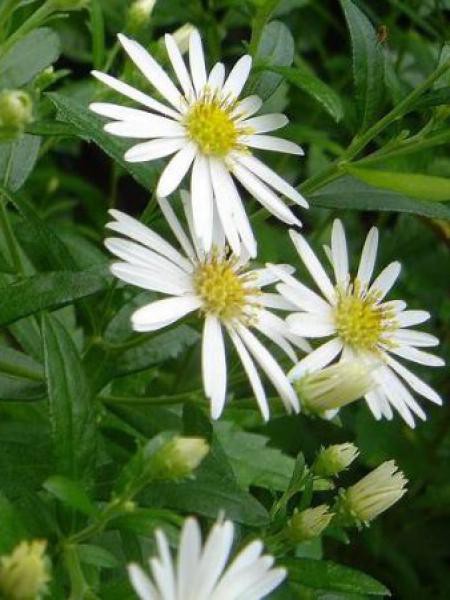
(72, 408)
(97, 556)
(314, 87)
(368, 63)
(275, 49)
(70, 493)
(48, 291)
(17, 160)
(90, 127)
(329, 576)
(350, 193)
(433, 98)
(21, 377)
(28, 57)
(252, 461)
(422, 187)
(12, 529)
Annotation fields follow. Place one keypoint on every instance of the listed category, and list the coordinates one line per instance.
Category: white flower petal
(179, 66)
(266, 584)
(223, 206)
(269, 176)
(270, 142)
(313, 265)
(373, 403)
(150, 279)
(305, 299)
(411, 337)
(264, 123)
(310, 325)
(412, 317)
(272, 369)
(246, 108)
(141, 583)
(197, 62)
(418, 356)
(368, 257)
(264, 194)
(213, 560)
(162, 567)
(252, 374)
(417, 384)
(202, 201)
(237, 77)
(390, 385)
(188, 556)
(318, 359)
(177, 229)
(175, 170)
(276, 301)
(386, 279)
(246, 558)
(214, 366)
(216, 77)
(275, 329)
(132, 228)
(151, 126)
(269, 275)
(152, 71)
(404, 395)
(154, 149)
(339, 253)
(136, 95)
(163, 312)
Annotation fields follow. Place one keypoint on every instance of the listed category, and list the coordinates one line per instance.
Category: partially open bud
(333, 387)
(308, 524)
(334, 459)
(139, 14)
(372, 495)
(24, 573)
(16, 111)
(182, 35)
(178, 458)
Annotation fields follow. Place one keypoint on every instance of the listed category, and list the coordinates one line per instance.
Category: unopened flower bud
(139, 14)
(24, 573)
(16, 111)
(333, 387)
(179, 457)
(334, 459)
(372, 495)
(308, 524)
(182, 36)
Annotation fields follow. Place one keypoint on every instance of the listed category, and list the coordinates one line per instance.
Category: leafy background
(366, 87)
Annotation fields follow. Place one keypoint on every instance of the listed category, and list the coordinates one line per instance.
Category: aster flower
(204, 125)
(221, 287)
(361, 324)
(201, 571)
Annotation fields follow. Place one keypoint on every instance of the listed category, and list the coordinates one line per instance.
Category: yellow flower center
(222, 290)
(360, 321)
(210, 125)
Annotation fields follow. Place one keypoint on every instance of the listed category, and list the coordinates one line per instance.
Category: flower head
(309, 523)
(224, 291)
(179, 457)
(204, 125)
(201, 571)
(334, 459)
(361, 324)
(16, 111)
(372, 495)
(24, 573)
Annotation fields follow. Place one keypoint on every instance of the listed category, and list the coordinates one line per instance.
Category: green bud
(24, 573)
(371, 495)
(334, 459)
(178, 458)
(308, 524)
(16, 111)
(333, 387)
(139, 14)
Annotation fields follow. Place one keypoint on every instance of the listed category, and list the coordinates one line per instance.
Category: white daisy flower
(361, 324)
(201, 571)
(221, 287)
(205, 126)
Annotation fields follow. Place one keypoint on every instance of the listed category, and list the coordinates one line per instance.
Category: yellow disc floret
(222, 289)
(210, 125)
(360, 320)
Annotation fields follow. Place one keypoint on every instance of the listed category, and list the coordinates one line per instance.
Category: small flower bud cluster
(16, 111)
(308, 524)
(179, 457)
(334, 459)
(139, 14)
(24, 573)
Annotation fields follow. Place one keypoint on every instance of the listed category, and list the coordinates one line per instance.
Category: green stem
(152, 401)
(6, 225)
(263, 14)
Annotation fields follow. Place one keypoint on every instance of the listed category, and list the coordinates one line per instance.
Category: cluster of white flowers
(203, 125)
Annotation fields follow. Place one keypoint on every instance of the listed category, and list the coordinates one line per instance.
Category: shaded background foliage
(336, 69)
